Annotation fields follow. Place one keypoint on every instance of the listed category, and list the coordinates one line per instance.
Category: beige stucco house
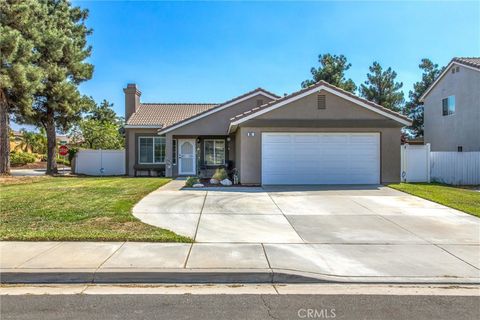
(452, 107)
(318, 135)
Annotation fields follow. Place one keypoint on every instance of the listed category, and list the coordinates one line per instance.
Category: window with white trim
(214, 152)
(151, 150)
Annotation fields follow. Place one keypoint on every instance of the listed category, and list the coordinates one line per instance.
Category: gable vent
(259, 102)
(321, 101)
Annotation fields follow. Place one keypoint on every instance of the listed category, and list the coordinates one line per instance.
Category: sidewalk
(135, 262)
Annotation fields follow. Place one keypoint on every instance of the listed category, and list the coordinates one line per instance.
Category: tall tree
(382, 88)
(103, 112)
(414, 108)
(101, 135)
(100, 129)
(20, 77)
(332, 70)
(62, 54)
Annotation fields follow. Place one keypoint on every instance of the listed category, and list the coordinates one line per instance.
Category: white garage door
(320, 158)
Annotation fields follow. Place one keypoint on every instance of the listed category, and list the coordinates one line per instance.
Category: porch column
(168, 155)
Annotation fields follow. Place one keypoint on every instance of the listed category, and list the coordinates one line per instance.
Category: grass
(460, 198)
(77, 208)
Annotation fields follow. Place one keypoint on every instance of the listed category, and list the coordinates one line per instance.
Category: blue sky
(213, 51)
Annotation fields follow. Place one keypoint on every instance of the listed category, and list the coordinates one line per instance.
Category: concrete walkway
(127, 262)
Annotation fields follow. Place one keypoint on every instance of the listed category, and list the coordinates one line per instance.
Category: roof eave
(138, 126)
(425, 94)
(401, 119)
(216, 109)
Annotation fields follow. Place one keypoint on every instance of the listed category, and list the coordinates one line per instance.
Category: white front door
(186, 156)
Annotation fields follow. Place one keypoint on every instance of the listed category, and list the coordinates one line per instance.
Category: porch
(201, 155)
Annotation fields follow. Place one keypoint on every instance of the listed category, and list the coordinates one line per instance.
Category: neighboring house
(318, 135)
(452, 107)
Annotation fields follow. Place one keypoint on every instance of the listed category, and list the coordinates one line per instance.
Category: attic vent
(321, 101)
(259, 102)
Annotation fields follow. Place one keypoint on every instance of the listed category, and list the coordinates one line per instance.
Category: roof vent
(321, 101)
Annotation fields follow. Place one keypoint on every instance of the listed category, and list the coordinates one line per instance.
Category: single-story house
(318, 135)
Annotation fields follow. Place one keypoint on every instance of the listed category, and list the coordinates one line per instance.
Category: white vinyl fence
(100, 162)
(459, 168)
(419, 164)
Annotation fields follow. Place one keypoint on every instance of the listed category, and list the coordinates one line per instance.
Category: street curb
(203, 276)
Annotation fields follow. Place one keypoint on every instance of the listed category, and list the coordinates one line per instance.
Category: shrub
(191, 181)
(71, 153)
(20, 158)
(63, 161)
(220, 174)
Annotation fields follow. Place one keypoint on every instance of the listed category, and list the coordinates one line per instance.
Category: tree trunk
(4, 136)
(51, 143)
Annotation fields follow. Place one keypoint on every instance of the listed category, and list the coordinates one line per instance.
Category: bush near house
(220, 174)
(191, 181)
(20, 158)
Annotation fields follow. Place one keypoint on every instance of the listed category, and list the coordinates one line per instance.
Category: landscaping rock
(214, 181)
(226, 182)
(198, 185)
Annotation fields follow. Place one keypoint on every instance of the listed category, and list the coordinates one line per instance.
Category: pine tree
(62, 53)
(103, 112)
(332, 70)
(382, 89)
(20, 77)
(414, 108)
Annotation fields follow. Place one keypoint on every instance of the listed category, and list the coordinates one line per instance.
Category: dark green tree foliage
(101, 135)
(414, 108)
(332, 70)
(20, 77)
(382, 88)
(103, 112)
(100, 129)
(62, 52)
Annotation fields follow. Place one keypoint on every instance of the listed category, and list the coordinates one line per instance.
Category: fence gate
(415, 163)
(419, 164)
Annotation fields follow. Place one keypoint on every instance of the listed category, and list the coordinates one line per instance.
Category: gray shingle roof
(166, 114)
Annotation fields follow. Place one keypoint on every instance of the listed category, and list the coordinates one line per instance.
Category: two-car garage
(320, 158)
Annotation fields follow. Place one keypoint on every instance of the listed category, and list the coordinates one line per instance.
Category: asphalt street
(210, 307)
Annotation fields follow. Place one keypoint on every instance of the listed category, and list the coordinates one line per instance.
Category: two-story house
(452, 107)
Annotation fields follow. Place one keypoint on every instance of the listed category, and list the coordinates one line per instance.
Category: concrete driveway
(348, 231)
(320, 215)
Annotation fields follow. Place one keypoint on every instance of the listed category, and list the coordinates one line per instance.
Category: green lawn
(77, 208)
(460, 198)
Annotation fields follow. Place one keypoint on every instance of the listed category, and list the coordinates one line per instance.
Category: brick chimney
(132, 99)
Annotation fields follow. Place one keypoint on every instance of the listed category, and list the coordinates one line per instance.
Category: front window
(448, 106)
(151, 150)
(214, 152)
